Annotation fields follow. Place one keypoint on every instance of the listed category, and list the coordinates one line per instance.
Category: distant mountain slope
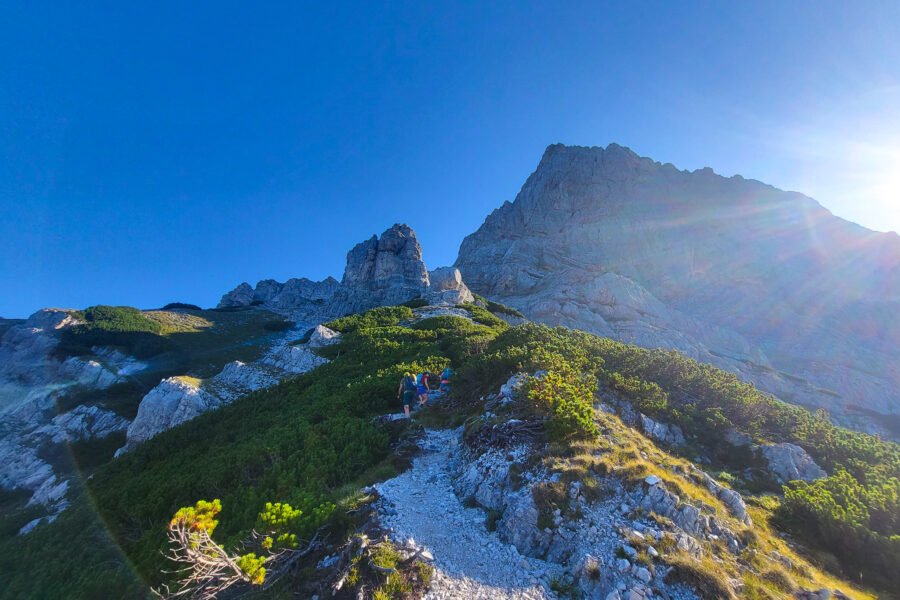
(731, 271)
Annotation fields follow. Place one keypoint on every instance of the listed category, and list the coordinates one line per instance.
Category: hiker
(408, 389)
(445, 380)
(423, 387)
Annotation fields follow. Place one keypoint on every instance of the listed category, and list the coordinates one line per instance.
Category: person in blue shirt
(422, 382)
(445, 380)
(408, 389)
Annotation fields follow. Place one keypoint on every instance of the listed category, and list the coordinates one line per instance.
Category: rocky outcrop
(32, 379)
(179, 399)
(446, 287)
(322, 336)
(789, 462)
(22, 468)
(628, 248)
(242, 295)
(380, 271)
(730, 498)
(391, 262)
(663, 502)
(172, 402)
(292, 295)
(785, 461)
(662, 432)
(81, 423)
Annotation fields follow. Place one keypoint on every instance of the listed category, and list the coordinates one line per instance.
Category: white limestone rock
(81, 423)
(789, 462)
(21, 467)
(380, 271)
(238, 378)
(294, 359)
(446, 287)
(730, 498)
(625, 247)
(323, 336)
(667, 433)
(172, 402)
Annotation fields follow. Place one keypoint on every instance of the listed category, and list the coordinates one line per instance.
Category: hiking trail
(469, 561)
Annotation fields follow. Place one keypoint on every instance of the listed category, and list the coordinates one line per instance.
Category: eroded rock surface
(789, 462)
(446, 287)
(179, 399)
(628, 248)
(32, 378)
(172, 402)
(380, 271)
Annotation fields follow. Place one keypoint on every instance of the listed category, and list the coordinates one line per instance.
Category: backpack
(446, 373)
(410, 384)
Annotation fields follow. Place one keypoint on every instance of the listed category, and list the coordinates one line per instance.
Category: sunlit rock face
(381, 271)
(730, 271)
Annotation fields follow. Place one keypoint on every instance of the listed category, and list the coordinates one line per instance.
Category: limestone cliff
(380, 271)
(733, 272)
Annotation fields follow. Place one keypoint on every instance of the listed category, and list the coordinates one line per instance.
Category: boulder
(322, 336)
(685, 516)
(730, 498)
(172, 402)
(510, 389)
(446, 287)
(519, 525)
(788, 462)
(668, 434)
(736, 438)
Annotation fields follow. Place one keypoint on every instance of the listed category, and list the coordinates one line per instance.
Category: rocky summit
(380, 271)
(732, 272)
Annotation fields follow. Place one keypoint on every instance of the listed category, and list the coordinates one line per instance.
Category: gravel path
(470, 562)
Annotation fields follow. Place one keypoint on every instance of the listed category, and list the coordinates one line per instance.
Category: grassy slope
(309, 442)
(198, 343)
(302, 442)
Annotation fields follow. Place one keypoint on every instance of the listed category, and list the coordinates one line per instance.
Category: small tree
(210, 569)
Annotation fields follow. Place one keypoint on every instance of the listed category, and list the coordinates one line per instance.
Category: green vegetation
(859, 524)
(377, 317)
(122, 326)
(198, 343)
(309, 442)
(307, 445)
(496, 307)
(566, 395)
(184, 305)
(482, 316)
(415, 303)
(853, 514)
(179, 339)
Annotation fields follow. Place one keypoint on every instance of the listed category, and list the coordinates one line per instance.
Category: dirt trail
(470, 561)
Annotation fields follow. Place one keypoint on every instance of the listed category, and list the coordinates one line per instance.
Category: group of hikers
(415, 386)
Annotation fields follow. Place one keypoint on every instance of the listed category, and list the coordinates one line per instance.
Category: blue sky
(156, 152)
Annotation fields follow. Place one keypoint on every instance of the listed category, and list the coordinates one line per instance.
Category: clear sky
(157, 152)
